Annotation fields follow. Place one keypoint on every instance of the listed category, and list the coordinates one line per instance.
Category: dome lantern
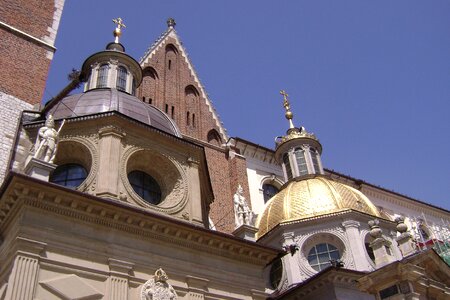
(113, 68)
(298, 151)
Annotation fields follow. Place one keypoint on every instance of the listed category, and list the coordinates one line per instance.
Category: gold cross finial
(119, 23)
(289, 115)
(118, 32)
(285, 99)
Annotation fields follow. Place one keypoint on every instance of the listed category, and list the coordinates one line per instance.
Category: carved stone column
(197, 287)
(357, 247)
(108, 168)
(118, 280)
(194, 190)
(380, 246)
(24, 274)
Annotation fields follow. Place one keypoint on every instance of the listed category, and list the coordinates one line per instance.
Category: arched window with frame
(287, 165)
(122, 74)
(102, 76)
(269, 190)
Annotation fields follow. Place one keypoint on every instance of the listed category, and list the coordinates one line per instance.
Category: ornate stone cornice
(21, 190)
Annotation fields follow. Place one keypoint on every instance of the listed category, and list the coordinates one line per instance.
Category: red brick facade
(170, 84)
(27, 59)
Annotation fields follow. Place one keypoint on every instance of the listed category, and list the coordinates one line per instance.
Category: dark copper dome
(105, 100)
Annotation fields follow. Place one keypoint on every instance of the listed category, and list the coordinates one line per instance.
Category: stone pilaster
(194, 190)
(24, 274)
(108, 168)
(357, 247)
(290, 260)
(118, 280)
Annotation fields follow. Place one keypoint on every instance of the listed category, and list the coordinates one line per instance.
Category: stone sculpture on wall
(47, 141)
(158, 288)
(243, 215)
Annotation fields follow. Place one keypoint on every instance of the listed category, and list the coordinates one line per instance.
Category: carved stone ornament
(158, 288)
(47, 141)
(243, 215)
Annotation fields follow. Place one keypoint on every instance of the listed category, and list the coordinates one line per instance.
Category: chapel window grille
(320, 255)
(145, 186)
(287, 165)
(301, 161)
(69, 175)
(122, 74)
(315, 160)
(102, 76)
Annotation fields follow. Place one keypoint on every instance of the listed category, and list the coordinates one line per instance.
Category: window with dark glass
(269, 191)
(314, 159)
(145, 186)
(276, 272)
(320, 255)
(122, 73)
(287, 165)
(69, 175)
(102, 76)
(301, 161)
(369, 251)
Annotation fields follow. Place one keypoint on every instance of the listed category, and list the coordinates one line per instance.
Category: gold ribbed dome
(311, 197)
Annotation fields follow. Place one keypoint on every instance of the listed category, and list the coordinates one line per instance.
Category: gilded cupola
(308, 192)
(298, 151)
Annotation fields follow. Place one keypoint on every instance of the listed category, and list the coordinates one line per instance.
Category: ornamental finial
(289, 115)
(118, 32)
(171, 22)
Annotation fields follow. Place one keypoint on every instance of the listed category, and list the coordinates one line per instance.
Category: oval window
(145, 186)
(321, 255)
(69, 175)
(276, 271)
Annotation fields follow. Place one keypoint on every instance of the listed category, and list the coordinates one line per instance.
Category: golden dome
(311, 197)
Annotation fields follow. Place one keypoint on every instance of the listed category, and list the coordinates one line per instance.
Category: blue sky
(369, 78)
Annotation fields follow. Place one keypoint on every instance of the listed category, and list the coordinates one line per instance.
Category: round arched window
(276, 271)
(320, 255)
(69, 175)
(145, 186)
(269, 191)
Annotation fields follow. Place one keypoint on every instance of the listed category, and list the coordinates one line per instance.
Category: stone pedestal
(381, 249)
(246, 232)
(39, 169)
(405, 244)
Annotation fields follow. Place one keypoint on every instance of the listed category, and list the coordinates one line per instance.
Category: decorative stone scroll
(157, 288)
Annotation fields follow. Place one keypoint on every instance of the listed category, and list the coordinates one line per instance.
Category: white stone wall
(11, 108)
(257, 172)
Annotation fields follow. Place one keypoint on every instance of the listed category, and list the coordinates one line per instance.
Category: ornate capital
(350, 223)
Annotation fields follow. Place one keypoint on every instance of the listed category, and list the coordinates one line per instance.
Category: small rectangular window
(193, 120)
(167, 108)
(172, 113)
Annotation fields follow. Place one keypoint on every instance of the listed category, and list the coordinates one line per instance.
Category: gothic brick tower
(171, 84)
(27, 32)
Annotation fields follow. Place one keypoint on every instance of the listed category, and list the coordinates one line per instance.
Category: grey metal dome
(105, 100)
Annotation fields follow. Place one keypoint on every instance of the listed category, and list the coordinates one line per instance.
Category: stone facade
(9, 119)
